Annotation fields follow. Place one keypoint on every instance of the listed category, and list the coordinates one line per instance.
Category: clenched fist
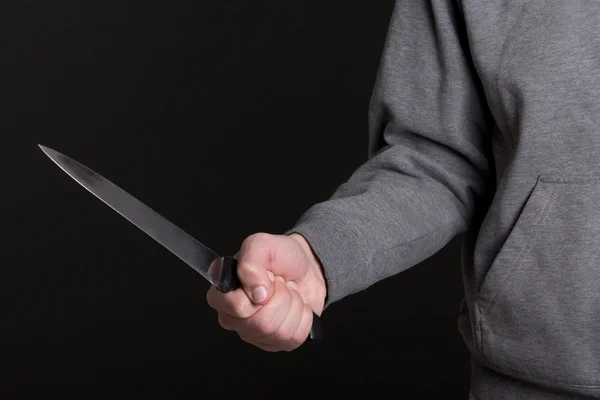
(282, 283)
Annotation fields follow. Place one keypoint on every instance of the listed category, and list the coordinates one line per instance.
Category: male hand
(282, 283)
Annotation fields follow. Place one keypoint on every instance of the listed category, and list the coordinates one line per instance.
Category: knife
(220, 271)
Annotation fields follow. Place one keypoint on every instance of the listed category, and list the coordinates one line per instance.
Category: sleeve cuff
(340, 249)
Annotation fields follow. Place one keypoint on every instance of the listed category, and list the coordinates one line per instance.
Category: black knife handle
(228, 280)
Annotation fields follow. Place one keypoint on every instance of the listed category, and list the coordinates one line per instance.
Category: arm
(428, 156)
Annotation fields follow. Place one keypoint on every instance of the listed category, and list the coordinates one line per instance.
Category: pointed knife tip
(47, 150)
(52, 154)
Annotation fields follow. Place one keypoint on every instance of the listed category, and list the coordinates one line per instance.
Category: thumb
(256, 280)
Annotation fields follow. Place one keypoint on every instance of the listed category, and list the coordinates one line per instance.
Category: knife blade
(220, 271)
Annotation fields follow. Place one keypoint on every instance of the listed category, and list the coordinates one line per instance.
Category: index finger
(235, 303)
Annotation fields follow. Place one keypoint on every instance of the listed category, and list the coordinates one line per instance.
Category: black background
(228, 118)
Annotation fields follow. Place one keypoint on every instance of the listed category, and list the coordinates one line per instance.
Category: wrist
(316, 273)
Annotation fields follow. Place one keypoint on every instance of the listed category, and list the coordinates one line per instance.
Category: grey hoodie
(485, 120)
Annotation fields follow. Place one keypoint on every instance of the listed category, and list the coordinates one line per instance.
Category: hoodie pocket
(539, 304)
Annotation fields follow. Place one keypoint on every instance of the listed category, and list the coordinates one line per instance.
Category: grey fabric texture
(485, 120)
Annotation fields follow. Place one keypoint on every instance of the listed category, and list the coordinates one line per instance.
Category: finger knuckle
(210, 298)
(298, 340)
(285, 336)
(224, 321)
(247, 269)
(291, 347)
(248, 339)
(301, 334)
(258, 238)
(239, 309)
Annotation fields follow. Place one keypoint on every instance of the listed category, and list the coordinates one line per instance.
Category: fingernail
(292, 285)
(304, 299)
(281, 279)
(271, 276)
(259, 294)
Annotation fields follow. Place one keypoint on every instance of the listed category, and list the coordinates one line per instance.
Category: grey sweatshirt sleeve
(428, 156)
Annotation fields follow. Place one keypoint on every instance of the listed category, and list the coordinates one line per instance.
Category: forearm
(428, 158)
